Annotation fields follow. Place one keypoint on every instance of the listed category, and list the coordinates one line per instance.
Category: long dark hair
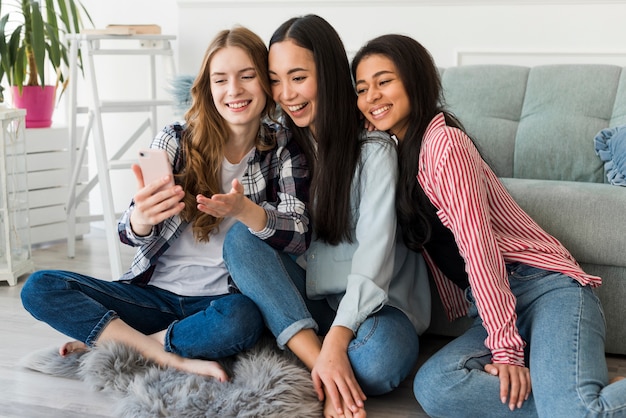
(420, 77)
(337, 126)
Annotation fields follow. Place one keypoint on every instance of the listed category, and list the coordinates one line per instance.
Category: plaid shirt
(277, 180)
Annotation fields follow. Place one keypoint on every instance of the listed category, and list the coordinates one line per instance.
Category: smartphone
(155, 165)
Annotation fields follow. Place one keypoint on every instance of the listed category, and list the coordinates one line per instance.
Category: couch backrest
(539, 122)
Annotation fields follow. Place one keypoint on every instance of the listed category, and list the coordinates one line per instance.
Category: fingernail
(503, 399)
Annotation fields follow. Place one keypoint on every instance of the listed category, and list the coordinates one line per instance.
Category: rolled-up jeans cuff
(293, 329)
(100, 326)
(167, 344)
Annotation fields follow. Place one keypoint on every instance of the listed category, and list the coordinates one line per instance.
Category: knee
(236, 240)
(379, 382)
(384, 352)
(426, 389)
(35, 286)
(380, 377)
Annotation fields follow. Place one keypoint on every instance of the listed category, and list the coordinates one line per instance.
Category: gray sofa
(536, 126)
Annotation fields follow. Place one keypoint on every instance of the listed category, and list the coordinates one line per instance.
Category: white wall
(125, 78)
(456, 32)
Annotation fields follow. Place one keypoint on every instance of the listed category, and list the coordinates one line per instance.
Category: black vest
(445, 253)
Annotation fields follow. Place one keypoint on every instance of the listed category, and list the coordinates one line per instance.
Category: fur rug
(265, 382)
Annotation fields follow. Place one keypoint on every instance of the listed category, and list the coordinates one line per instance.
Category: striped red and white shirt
(490, 230)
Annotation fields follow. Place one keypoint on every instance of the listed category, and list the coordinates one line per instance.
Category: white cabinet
(14, 234)
(49, 172)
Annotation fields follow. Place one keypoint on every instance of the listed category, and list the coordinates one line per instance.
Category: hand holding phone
(154, 166)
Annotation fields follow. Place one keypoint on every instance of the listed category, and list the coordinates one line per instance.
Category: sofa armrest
(588, 218)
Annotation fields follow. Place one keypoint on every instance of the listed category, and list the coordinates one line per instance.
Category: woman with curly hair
(176, 304)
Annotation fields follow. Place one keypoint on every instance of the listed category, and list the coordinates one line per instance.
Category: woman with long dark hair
(364, 293)
(538, 324)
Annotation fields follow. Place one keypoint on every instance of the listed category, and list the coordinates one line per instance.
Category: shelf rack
(92, 45)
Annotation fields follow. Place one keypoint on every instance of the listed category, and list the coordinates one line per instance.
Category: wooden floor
(28, 394)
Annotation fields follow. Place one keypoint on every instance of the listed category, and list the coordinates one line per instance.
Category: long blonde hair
(205, 137)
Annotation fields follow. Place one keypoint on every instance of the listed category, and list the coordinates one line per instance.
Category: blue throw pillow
(610, 144)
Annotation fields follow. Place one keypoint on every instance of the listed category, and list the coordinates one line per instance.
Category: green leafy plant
(32, 40)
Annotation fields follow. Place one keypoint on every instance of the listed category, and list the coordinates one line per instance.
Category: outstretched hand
(234, 204)
(222, 205)
(515, 385)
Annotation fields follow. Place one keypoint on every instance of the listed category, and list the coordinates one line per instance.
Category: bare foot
(72, 347)
(203, 367)
(616, 379)
(331, 412)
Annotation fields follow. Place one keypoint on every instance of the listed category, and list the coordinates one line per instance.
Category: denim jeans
(385, 347)
(207, 327)
(563, 325)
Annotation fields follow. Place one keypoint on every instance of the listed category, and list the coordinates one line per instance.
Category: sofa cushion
(619, 110)
(488, 101)
(610, 145)
(564, 108)
(611, 293)
(587, 218)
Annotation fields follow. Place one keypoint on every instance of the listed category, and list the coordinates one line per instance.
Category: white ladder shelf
(92, 45)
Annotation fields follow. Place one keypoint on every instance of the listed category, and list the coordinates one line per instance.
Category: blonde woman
(176, 305)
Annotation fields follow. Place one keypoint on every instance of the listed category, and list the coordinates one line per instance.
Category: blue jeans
(563, 325)
(197, 327)
(385, 347)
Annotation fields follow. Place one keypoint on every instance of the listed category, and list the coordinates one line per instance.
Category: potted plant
(32, 44)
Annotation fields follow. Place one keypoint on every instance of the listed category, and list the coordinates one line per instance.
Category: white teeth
(238, 105)
(295, 108)
(380, 110)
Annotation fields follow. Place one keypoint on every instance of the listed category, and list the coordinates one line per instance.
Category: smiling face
(382, 97)
(293, 77)
(236, 89)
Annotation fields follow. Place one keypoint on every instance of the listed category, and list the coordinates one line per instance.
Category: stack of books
(142, 29)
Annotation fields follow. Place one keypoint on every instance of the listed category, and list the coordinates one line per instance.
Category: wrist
(339, 336)
(139, 229)
(142, 230)
(510, 357)
(252, 215)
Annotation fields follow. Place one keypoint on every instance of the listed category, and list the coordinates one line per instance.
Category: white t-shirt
(191, 268)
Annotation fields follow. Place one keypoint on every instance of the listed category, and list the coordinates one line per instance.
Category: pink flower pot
(38, 102)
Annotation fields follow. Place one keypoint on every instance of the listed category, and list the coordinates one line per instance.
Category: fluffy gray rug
(266, 382)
